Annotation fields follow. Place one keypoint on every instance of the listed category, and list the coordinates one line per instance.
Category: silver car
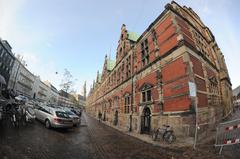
(75, 118)
(53, 117)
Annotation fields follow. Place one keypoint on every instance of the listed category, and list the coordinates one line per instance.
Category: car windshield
(69, 113)
(62, 114)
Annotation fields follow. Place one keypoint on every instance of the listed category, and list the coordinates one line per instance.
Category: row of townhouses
(20, 79)
(174, 73)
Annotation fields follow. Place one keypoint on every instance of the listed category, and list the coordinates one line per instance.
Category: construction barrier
(228, 133)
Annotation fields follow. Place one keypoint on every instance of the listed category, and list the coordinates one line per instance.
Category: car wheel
(47, 124)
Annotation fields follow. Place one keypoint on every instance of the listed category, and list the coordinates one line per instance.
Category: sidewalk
(180, 142)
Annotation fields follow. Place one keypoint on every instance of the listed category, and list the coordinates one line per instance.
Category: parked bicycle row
(14, 108)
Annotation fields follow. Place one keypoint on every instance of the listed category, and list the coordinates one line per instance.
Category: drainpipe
(196, 126)
(132, 75)
(193, 95)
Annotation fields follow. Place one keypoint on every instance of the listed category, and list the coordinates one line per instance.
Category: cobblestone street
(91, 140)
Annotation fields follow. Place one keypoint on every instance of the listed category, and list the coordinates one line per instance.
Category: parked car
(30, 103)
(29, 114)
(21, 98)
(53, 117)
(77, 111)
(75, 118)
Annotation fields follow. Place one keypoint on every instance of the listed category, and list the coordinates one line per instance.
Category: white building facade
(25, 83)
(52, 94)
(21, 79)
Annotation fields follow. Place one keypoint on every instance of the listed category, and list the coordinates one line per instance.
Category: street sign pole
(196, 126)
(193, 94)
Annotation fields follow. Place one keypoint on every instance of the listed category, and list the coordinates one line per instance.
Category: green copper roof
(133, 36)
(110, 64)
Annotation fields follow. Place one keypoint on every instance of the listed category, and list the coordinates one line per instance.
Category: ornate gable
(127, 39)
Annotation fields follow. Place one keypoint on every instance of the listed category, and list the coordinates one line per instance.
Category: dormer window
(120, 52)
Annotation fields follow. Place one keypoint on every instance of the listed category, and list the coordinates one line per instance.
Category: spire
(85, 90)
(97, 77)
(123, 26)
(109, 56)
(93, 84)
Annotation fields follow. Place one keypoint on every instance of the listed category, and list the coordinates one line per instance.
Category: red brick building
(148, 85)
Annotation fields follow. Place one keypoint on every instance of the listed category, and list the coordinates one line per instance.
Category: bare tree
(67, 81)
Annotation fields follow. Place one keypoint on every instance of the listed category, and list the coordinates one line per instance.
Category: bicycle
(166, 133)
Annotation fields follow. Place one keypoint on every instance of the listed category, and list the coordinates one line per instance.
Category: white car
(53, 117)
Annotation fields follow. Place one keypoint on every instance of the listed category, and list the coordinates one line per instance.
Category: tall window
(128, 66)
(123, 66)
(146, 93)
(118, 75)
(120, 52)
(110, 105)
(116, 102)
(114, 78)
(145, 52)
(127, 101)
(213, 90)
(154, 37)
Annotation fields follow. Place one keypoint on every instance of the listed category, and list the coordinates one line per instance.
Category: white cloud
(219, 17)
(30, 58)
(23, 38)
(8, 17)
(47, 71)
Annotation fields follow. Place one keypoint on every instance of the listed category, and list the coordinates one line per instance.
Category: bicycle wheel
(154, 135)
(170, 138)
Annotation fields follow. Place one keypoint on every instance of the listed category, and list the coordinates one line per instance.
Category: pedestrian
(99, 116)
(80, 113)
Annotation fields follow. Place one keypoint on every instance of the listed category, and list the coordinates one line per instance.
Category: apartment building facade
(6, 60)
(21, 79)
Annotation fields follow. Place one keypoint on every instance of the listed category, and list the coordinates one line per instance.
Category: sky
(53, 35)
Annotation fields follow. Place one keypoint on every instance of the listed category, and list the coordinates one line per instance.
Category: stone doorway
(115, 121)
(146, 121)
